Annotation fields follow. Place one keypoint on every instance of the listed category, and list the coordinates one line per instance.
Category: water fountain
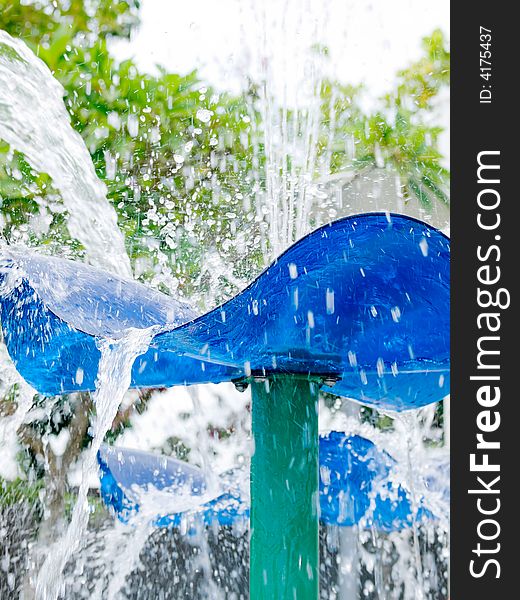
(340, 309)
(358, 308)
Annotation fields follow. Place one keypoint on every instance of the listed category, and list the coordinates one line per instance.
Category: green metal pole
(284, 489)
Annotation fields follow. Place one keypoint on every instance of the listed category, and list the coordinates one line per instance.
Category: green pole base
(284, 551)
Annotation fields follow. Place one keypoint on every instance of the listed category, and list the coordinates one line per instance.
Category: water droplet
(396, 314)
(132, 125)
(329, 299)
(380, 365)
(204, 115)
(79, 376)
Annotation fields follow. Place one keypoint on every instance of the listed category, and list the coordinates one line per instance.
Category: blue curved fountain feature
(363, 301)
(127, 476)
(355, 487)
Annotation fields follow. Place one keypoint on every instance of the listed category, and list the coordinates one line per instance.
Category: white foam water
(113, 380)
(11, 381)
(35, 122)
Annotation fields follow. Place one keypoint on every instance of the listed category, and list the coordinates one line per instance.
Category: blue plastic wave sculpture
(127, 476)
(354, 487)
(364, 299)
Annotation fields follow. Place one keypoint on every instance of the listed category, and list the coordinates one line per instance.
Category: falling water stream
(113, 380)
(290, 107)
(34, 121)
(51, 146)
(10, 379)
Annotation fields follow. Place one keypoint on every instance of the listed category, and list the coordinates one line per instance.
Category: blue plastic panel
(353, 472)
(365, 298)
(127, 474)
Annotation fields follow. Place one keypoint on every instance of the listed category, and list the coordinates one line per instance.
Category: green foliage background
(175, 213)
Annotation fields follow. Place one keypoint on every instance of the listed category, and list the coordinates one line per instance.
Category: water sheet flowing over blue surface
(355, 487)
(364, 299)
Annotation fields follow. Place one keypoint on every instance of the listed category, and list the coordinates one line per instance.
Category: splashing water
(372, 564)
(51, 146)
(9, 380)
(290, 108)
(411, 563)
(125, 542)
(384, 566)
(46, 138)
(113, 380)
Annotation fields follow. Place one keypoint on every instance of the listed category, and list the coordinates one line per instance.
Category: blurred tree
(401, 133)
(177, 156)
(173, 152)
(38, 21)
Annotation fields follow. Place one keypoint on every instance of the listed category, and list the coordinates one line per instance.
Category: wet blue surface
(353, 474)
(365, 298)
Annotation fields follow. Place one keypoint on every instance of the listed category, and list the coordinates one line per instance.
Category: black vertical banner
(485, 232)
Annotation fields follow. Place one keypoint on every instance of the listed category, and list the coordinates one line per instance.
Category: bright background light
(368, 41)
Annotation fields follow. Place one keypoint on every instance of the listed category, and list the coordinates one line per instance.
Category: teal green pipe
(284, 547)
